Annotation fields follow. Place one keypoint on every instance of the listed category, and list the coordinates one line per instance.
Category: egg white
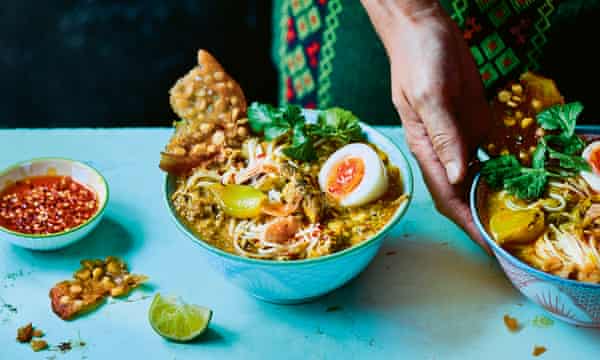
(374, 182)
(591, 177)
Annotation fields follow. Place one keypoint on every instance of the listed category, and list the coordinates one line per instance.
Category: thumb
(448, 143)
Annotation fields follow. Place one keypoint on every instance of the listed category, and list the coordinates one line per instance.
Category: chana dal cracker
(514, 109)
(91, 284)
(212, 107)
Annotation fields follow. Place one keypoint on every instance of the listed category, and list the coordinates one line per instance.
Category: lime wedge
(176, 320)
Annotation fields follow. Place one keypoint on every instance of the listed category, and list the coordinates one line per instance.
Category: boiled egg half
(354, 175)
(592, 155)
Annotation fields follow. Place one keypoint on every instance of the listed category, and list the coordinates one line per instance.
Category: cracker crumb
(512, 324)
(38, 345)
(538, 350)
(25, 333)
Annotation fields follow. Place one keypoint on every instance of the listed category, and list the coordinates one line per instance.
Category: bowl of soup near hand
(537, 205)
(286, 203)
(49, 203)
(293, 230)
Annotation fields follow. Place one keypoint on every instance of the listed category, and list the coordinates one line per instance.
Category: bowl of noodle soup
(558, 267)
(287, 275)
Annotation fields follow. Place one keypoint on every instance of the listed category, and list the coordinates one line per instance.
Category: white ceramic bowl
(82, 173)
(288, 282)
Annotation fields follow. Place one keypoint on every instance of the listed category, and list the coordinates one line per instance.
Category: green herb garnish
(556, 155)
(561, 117)
(339, 124)
(332, 124)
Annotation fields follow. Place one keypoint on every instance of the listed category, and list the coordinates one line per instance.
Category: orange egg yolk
(594, 159)
(345, 176)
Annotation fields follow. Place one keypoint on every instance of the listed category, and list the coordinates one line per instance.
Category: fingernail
(452, 172)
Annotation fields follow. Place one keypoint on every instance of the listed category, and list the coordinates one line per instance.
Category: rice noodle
(542, 203)
(569, 245)
(304, 240)
(292, 190)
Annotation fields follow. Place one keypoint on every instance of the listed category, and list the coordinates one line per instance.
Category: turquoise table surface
(429, 294)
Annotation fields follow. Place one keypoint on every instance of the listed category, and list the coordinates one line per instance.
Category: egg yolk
(345, 176)
(594, 159)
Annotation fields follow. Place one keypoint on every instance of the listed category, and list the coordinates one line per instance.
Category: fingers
(439, 118)
(448, 198)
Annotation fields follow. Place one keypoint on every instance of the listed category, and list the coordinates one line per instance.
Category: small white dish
(80, 172)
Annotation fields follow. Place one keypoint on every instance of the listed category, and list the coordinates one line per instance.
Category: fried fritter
(92, 283)
(514, 109)
(212, 107)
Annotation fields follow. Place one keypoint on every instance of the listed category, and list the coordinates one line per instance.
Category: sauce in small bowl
(46, 205)
(49, 203)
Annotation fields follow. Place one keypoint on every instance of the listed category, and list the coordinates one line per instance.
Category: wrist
(389, 16)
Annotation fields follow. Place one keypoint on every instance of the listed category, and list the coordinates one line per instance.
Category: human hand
(438, 93)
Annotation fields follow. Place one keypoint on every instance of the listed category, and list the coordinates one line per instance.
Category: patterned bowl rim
(514, 260)
(406, 177)
(89, 221)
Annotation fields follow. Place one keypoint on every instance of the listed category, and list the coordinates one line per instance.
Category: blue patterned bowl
(289, 282)
(572, 301)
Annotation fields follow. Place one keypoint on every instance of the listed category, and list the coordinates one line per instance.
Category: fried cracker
(514, 110)
(92, 283)
(212, 107)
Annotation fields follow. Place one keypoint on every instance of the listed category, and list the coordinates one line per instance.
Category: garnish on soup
(544, 206)
(46, 205)
(289, 188)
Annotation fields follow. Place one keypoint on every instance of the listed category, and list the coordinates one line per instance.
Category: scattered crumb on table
(512, 324)
(38, 345)
(542, 321)
(538, 350)
(25, 333)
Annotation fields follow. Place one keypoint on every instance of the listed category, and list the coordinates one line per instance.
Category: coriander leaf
(496, 170)
(338, 124)
(302, 147)
(274, 131)
(573, 162)
(560, 117)
(530, 184)
(569, 145)
(303, 152)
(292, 114)
(538, 160)
(261, 116)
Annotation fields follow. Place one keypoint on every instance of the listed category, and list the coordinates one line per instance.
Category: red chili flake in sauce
(46, 205)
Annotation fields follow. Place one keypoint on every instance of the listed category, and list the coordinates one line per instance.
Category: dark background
(66, 63)
(111, 63)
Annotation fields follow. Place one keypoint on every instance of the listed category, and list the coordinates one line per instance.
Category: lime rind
(178, 321)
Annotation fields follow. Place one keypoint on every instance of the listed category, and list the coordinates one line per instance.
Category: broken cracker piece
(38, 345)
(91, 284)
(511, 323)
(538, 350)
(514, 110)
(212, 107)
(25, 333)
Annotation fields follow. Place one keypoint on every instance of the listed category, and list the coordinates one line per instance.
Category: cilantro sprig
(334, 124)
(556, 155)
